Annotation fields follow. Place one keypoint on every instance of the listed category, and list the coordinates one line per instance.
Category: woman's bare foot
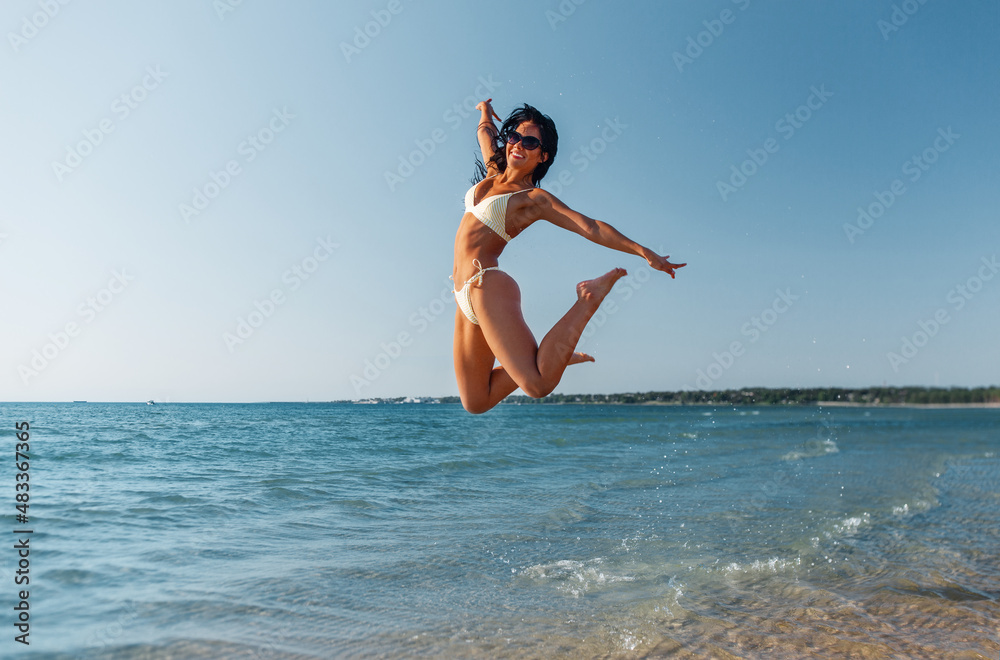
(594, 291)
(579, 357)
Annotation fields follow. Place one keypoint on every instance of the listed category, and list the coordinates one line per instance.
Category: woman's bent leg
(480, 385)
(536, 369)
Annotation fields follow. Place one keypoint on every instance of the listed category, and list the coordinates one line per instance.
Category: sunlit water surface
(338, 530)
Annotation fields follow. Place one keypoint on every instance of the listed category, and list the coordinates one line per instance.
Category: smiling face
(522, 159)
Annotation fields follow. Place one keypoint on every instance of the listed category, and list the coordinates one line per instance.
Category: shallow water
(316, 531)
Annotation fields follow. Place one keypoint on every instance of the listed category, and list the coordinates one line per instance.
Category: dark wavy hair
(550, 142)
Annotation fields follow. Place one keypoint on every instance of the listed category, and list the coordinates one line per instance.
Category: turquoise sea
(572, 531)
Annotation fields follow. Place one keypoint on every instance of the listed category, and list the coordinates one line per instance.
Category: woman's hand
(486, 108)
(661, 263)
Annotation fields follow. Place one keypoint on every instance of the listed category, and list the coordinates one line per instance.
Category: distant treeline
(761, 396)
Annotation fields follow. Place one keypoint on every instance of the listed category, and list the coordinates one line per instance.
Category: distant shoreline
(881, 397)
(820, 404)
(851, 404)
(870, 397)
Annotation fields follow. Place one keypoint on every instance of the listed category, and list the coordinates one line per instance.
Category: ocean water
(397, 531)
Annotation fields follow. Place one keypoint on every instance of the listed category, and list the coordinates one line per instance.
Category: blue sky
(255, 201)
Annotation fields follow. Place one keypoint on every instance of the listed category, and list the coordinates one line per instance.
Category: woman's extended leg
(503, 334)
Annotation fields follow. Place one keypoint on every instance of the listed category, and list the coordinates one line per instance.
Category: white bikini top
(491, 210)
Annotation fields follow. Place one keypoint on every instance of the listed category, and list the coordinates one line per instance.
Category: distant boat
(79, 402)
(150, 403)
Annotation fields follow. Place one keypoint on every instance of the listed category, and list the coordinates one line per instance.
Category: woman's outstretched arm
(554, 211)
(487, 133)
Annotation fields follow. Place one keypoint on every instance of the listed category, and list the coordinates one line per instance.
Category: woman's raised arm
(487, 133)
(554, 211)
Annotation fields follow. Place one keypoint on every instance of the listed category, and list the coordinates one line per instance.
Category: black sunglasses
(529, 142)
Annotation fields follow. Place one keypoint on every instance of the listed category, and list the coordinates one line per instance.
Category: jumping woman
(501, 204)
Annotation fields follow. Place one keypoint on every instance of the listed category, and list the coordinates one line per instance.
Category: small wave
(282, 493)
(73, 576)
(574, 577)
(772, 565)
(910, 508)
(836, 531)
(812, 449)
(850, 525)
(171, 498)
(355, 504)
